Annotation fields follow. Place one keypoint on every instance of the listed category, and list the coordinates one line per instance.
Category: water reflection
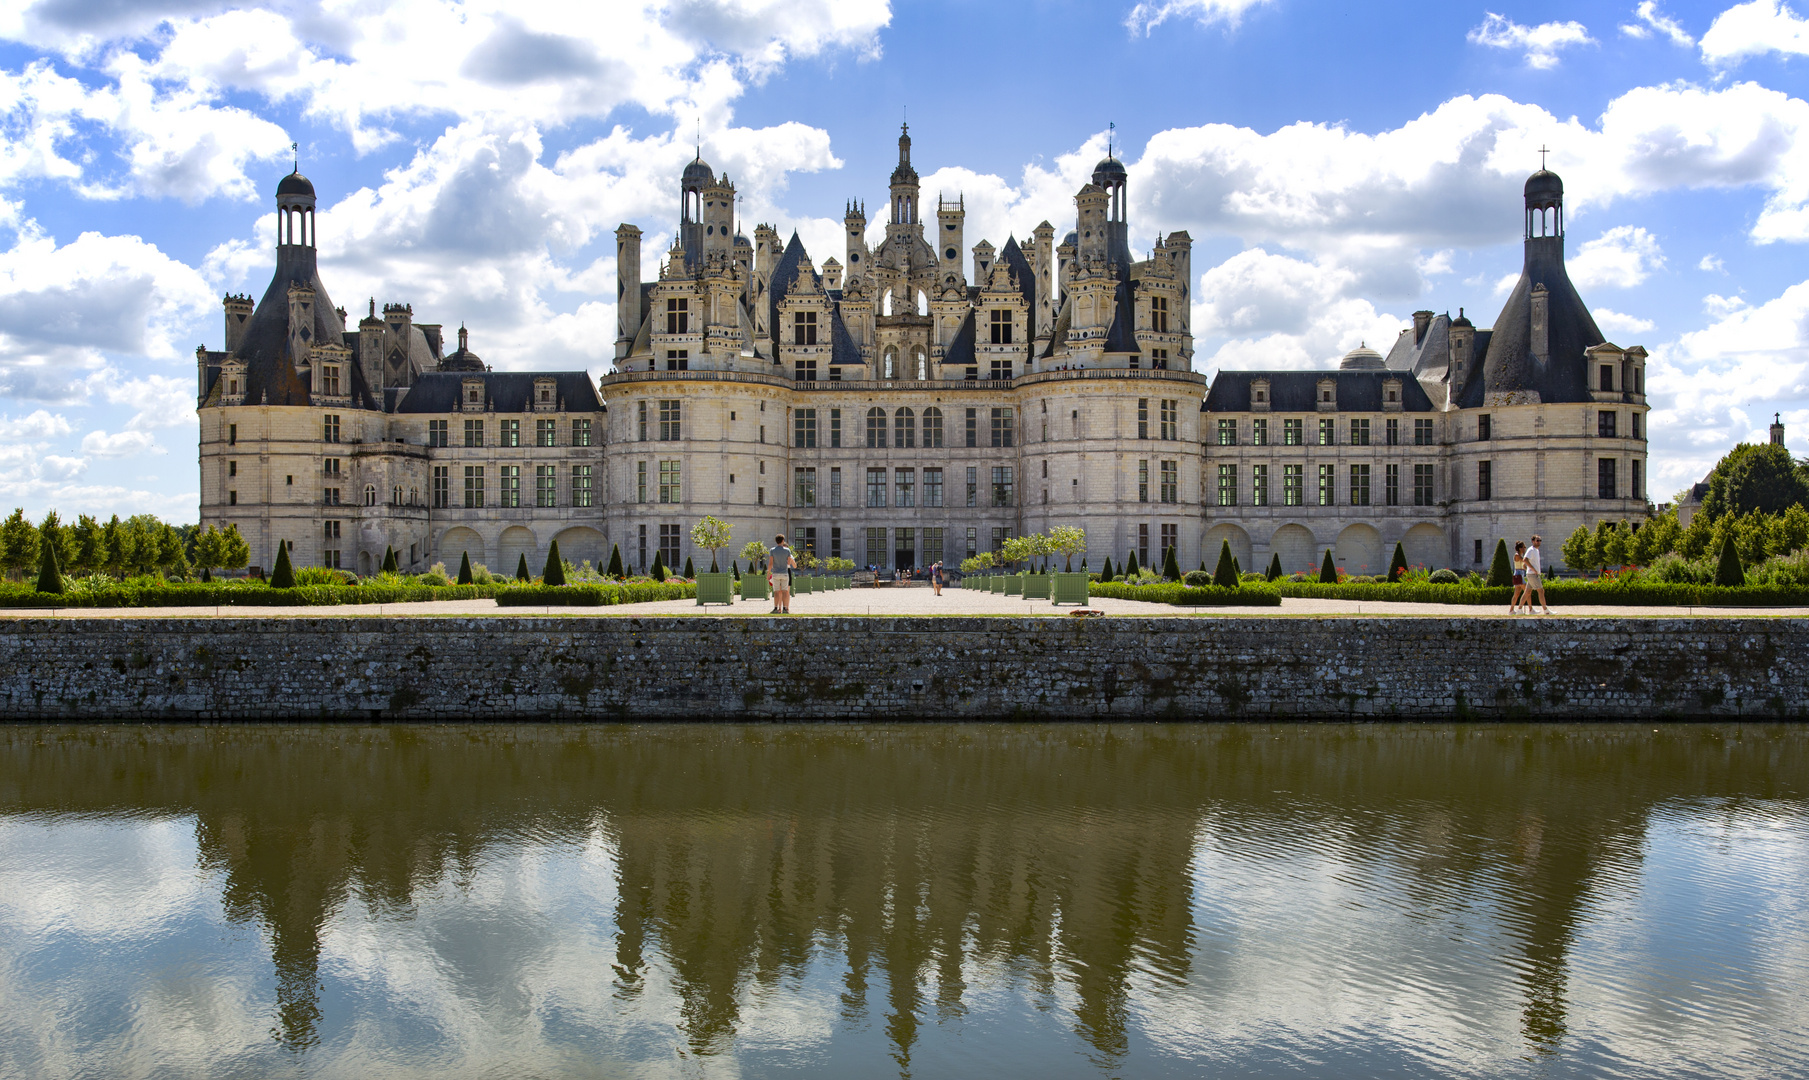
(1097, 900)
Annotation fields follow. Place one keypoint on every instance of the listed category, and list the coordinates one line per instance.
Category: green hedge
(1188, 596)
(604, 595)
(239, 595)
(1560, 594)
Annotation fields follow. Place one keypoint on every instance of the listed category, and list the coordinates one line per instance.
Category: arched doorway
(580, 544)
(1217, 536)
(516, 542)
(1424, 545)
(1359, 551)
(1298, 549)
(457, 542)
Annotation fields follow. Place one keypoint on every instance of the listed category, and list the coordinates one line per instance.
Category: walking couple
(1528, 579)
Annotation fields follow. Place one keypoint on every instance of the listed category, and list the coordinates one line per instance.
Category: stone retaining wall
(865, 668)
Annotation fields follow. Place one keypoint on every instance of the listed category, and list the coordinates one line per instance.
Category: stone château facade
(909, 405)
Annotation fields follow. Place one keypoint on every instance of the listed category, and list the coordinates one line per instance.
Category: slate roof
(961, 349)
(1298, 391)
(270, 371)
(1509, 363)
(506, 391)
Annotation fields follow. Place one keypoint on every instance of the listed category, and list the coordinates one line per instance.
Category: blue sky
(1339, 166)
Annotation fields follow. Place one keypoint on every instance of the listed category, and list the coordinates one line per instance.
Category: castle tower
(951, 218)
(718, 218)
(238, 312)
(628, 287)
(1109, 176)
(855, 219)
(696, 177)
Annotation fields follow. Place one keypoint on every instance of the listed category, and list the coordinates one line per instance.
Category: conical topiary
(207, 576)
(521, 567)
(390, 565)
(1237, 568)
(1328, 569)
(1397, 565)
(734, 570)
(689, 573)
(1275, 567)
(1501, 568)
(465, 568)
(1225, 577)
(1131, 568)
(283, 576)
(49, 580)
(1105, 569)
(615, 561)
(554, 573)
(1202, 566)
(1171, 566)
(658, 573)
(1730, 572)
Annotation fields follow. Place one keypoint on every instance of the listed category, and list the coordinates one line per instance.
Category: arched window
(932, 427)
(923, 303)
(920, 363)
(396, 495)
(891, 371)
(370, 494)
(885, 303)
(904, 429)
(876, 429)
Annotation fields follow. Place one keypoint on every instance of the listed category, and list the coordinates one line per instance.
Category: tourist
(778, 575)
(936, 577)
(1535, 581)
(1519, 581)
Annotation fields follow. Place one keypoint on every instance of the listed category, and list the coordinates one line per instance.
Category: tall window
(581, 431)
(1227, 485)
(835, 429)
(932, 488)
(876, 487)
(1483, 428)
(1143, 544)
(1359, 432)
(510, 434)
(1422, 485)
(1001, 485)
(973, 542)
(1001, 427)
(581, 492)
(442, 486)
(804, 486)
(1605, 486)
(1485, 480)
(1259, 432)
(1158, 359)
(1171, 481)
(1143, 480)
(904, 429)
(1158, 314)
(670, 417)
(669, 545)
(1170, 539)
(1391, 484)
(671, 485)
(973, 486)
(640, 481)
(932, 428)
(1359, 485)
(643, 421)
(1000, 534)
(1328, 483)
(804, 369)
(1171, 426)
(1633, 424)
(906, 480)
(1637, 474)
(510, 493)
(1000, 322)
(678, 316)
(876, 429)
(1422, 433)
(546, 433)
(1605, 424)
(973, 427)
(1293, 431)
(1227, 432)
(474, 433)
(835, 543)
(643, 547)
(1001, 368)
(1328, 431)
(474, 486)
(546, 479)
(876, 547)
(932, 547)
(329, 429)
(1143, 418)
(1259, 485)
(1607, 377)
(329, 380)
(1394, 432)
(436, 433)
(835, 487)
(804, 428)
(803, 328)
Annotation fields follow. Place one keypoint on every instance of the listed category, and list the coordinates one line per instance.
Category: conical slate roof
(1510, 364)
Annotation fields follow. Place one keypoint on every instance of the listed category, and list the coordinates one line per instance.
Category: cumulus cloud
(1613, 322)
(1148, 15)
(1652, 22)
(125, 444)
(54, 467)
(1262, 310)
(1542, 43)
(1753, 29)
(160, 401)
(1712, 263)
(1620, 258)
(39, 425)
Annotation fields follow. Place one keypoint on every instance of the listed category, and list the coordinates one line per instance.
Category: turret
(904, 182)
(855, 220)
(718, 218)
(951, 218)
(1463, 343)
(628, 287)
(983, 256)
(370, 346)
(1043, 263)
(239, 307)
(1093, 204)
(1777, 429)
(691, 184)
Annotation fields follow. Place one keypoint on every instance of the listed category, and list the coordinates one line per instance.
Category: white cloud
(1612, 322)
(1620, 258)
(1719, 306)
(62, 468)
(39, 425)
(161, 401)
(1272, 311)
(1542, 43)
(1651, 21)
(125, 444)
(1713, 264)
(1755, 28)
(1148, 15)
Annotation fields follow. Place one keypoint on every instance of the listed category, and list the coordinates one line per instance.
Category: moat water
(909, 901)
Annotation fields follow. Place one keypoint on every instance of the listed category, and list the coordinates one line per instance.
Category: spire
(464, 337)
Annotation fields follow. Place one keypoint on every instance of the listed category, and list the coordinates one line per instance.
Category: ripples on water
(1047, 901)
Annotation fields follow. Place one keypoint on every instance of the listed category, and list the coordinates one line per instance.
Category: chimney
(1421, 320)
(1463, 337)
(1541, 336)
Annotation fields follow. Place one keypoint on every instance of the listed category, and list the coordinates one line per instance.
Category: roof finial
(295, 150)
(699, 138)
(1542, 152)
(1111, 131)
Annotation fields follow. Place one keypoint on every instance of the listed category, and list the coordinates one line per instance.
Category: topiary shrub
(1171, 566)
(1131, 569)
(1501, 568)
(1225, 577)
(465, 568)
(734, 570)
(689, 573)
(283, 576)
(1274, 573)
(615, 562)
(1328, 569)
(1730, 572)
(554, 574)
(521, 568)
(658, 573)
(49, 579)
(1197, 578)
(207, 576)
(1445, 576)
(1397, 565)
(1105, 569)
(390, 565)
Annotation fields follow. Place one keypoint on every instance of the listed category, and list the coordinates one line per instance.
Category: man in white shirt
(1534, 580)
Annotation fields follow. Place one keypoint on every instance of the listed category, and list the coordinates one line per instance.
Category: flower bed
(1189, 596)
(1559, 594)
(238, 594)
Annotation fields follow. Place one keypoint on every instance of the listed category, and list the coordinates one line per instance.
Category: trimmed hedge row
(1559, 594)
(1187, 595)
(199, 595)
(596, 595)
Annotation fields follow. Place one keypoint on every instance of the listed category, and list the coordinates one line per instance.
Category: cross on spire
(1111, 133)
(1542, 152)
(295, 150)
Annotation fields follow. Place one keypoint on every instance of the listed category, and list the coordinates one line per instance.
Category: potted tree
(1069, 587)
(1017, 549)
(807, 583)
(1036, 583)
(753, 583)
(712, 534)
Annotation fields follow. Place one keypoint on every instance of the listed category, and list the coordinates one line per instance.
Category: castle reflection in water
(1076, 857)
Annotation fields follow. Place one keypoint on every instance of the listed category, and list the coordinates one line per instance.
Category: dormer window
(329, 380)
(546, 395)
(471, 394)
(232, 386)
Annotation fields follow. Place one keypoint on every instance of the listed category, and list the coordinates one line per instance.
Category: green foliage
(1444, 576)
(1187, 596)
(1171, 567)
(734, 570)
(1328, 569)
(1397, 565)
(615, 562)
(1226, 575)
(99, 591)
(465, 568)
(754, 551)
(49, 579)
(1579, 550)
(1130, 566)
(712, 534)
(283, 576)
(1197, 578)
(689, 572)
(235, 551)
(599, 594)
(18, 543)
(1274, 573)
(390, 563)
(1752, 477)
(1105, 569)
(90, 551)
(53, 532)
(553, 574)
(521, 568)
(1068, 541)
(1501, 568)
(658, 573)
(1730, 574)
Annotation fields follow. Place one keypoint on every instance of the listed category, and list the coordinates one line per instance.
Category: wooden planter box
(995, 584)
(1070, 589)
(753, 587)
(1014, 585)
(715, 589)
(1036, 587)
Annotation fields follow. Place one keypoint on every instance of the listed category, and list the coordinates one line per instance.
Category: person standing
(778, 575)
(1535, 579)
(1519, 581)
(936, 577)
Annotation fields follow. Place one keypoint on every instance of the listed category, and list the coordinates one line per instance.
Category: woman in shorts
(1520, 592)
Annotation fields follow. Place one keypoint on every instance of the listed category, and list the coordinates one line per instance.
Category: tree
(755, 553)
(49, 580)
(1328, 569)
(1068, 541)
(658, 573)
(207, 552)
(1397, 565)
(1576, 549)
(391, 565)
(734, 570)
(1225, 576)
(235, 552)
(615, 562)
(1274, 573)
(90, 547)
(113, 547)
(52, 531)
(554, 571)
(465, 568)
(1501, 568)
(1755, 477)
(1131, 569)
(1614, 547)
(143, 542)
(283, 576)
(172, 556)
(712, 534)
(1171, 566)
(1016, 549)
(1729, 572)
(18, 543)
(521, 567)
